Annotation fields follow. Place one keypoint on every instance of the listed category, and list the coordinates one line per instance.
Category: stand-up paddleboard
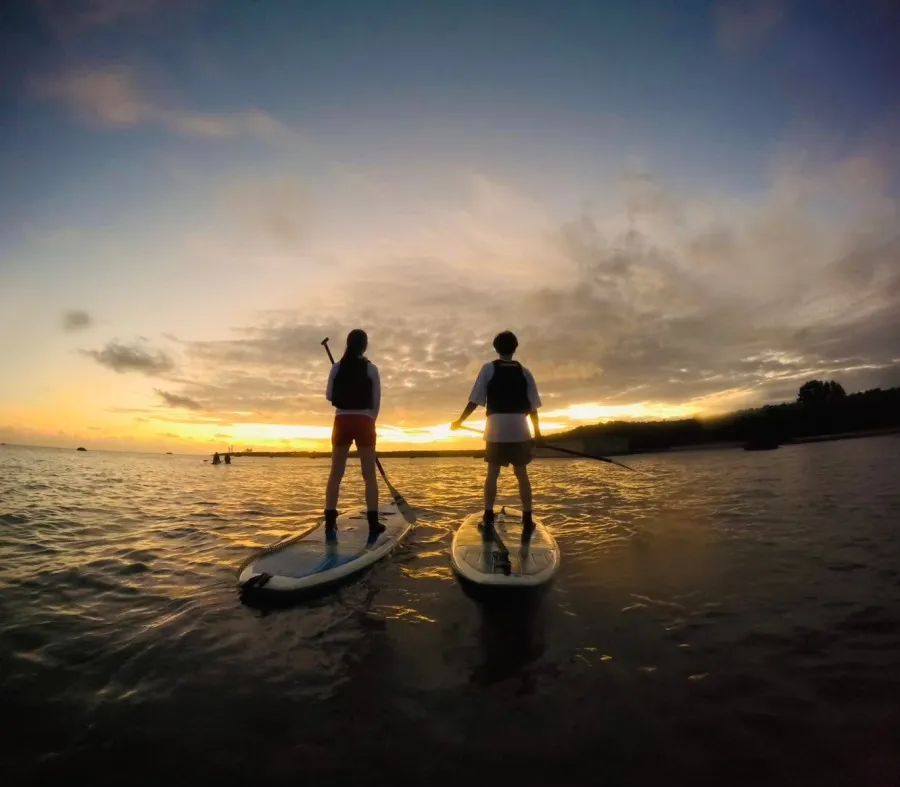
(504, 559)
(307, 560)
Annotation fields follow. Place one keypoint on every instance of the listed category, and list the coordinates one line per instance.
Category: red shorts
(353, 427)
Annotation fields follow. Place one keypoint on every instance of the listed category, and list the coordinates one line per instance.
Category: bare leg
(367, 460)
(338, 465)
(524, 486)
(490, 486)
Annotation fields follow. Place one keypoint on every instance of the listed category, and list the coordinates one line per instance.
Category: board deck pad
(308, 560)
(478, 560)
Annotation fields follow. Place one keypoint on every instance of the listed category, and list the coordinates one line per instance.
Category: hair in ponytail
(357, 341)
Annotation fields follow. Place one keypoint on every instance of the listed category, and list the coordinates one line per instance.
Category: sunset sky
(679, 207)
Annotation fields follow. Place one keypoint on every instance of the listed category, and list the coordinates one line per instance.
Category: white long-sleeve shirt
(376, 392)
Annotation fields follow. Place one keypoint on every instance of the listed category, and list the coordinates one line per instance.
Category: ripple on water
(722, 609)
(13, 519)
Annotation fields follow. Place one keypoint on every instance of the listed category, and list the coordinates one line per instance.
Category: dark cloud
(132, 358)
(177, 400)
(76, 320)
(96, 13)
(66, 20)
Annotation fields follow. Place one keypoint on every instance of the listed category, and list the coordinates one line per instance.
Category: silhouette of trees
(821, 408)
(816, 393)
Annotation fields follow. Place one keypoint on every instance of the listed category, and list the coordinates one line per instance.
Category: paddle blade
(403, 507)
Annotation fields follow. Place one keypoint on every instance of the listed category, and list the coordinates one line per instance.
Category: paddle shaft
(503, 552)
(566, 451)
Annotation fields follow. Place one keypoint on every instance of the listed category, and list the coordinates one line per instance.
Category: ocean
(727, 617)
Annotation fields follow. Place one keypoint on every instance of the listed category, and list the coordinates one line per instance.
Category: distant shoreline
(479, 453)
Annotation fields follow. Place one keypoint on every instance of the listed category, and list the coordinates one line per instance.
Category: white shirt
(376, 392)
(504, 427)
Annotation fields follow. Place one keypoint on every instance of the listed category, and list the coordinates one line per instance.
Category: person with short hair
(509, 393)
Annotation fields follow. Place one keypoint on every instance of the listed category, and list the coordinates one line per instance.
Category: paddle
(402, 506)
(502, 553)
(566, 451)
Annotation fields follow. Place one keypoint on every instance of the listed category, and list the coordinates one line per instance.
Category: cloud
(656, 297)
(745, 26)
(175, 400)
(124, 358)
(76, 320)
(100, 13)
(111, 96)
(67, 19)
(279, 210)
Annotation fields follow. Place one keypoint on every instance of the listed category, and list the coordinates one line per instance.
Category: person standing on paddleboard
(354, 388)
(508, 391)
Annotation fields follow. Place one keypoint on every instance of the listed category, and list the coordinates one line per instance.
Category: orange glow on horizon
(202, 434)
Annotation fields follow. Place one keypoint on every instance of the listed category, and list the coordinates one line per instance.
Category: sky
(679, 208)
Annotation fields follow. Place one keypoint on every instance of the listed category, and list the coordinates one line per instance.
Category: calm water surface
(729, 617)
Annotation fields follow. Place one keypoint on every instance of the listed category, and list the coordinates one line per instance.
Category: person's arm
(534, 399)
(376, 389)
(536, 423)
(469, 409)
(329, 387)
(476, 398)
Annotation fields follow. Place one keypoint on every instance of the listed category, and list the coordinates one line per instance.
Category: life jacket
(507, 390)
(352, 386)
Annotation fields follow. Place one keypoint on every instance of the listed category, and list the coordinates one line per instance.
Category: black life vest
(507, 390)
(352, 386)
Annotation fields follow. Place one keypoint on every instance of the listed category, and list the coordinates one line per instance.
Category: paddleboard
(484, 562)
(307, 560)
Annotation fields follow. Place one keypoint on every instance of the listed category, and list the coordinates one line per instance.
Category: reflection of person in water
(216, 458)
(512, 640)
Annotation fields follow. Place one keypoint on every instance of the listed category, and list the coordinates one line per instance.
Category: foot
(330, 525)
(527, 527)
(375, 527)
(487, 526)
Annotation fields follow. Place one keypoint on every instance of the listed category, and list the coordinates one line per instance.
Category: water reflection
(511, 635)
(728, 610)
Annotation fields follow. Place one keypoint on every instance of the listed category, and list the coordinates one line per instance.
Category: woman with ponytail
(354, 388)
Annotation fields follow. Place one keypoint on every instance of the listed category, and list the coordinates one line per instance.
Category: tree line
(821, 408)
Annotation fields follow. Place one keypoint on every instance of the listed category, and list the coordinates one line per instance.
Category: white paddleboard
(306, 561)
(525, 564)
